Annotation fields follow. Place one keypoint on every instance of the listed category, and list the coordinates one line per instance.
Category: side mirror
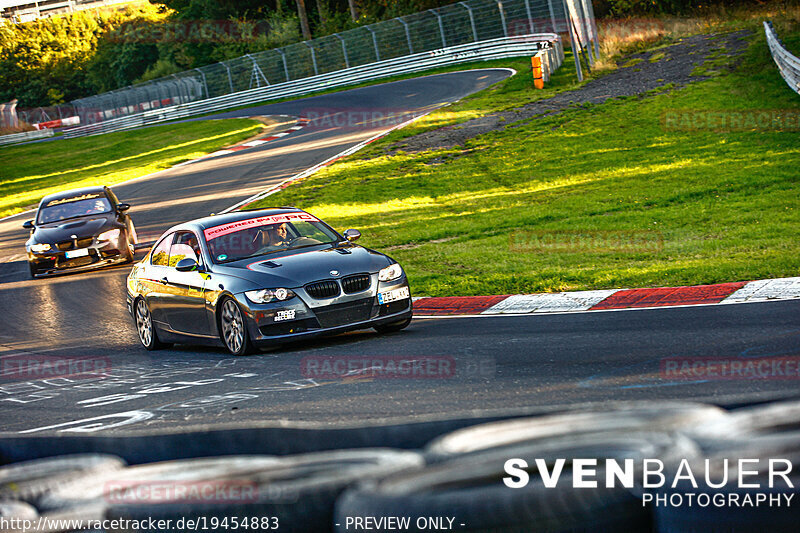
(28, 224)
(352, 235)
(186, 265)
(121, 208)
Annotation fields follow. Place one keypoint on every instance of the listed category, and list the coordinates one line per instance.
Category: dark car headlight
(390, 273)
(265, 296)
(110, 235)
(38, 248)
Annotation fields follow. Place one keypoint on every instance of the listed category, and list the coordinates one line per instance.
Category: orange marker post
(536, 64)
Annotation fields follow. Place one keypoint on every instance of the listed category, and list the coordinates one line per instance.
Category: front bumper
(352, 312)
(55, 261)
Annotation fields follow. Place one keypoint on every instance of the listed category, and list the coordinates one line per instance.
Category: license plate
(72, 254)
(393, 295)
(284, 315)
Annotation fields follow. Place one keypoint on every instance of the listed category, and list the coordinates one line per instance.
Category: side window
(184, 247)
(160, 254)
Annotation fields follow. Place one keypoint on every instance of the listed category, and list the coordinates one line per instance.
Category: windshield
(64, 208)
(266, 235)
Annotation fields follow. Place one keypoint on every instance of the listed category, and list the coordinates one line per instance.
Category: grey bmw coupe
(252, 279)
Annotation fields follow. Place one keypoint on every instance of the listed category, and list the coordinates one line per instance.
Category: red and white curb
(565, 302)
(301, 123)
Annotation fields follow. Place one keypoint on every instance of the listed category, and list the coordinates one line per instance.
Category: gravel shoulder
(671, 66)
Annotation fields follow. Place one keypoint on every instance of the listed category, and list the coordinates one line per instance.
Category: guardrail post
(374, 42)
(588, 29)
(257, 72)
(530, 18)
(344, 51)
(313, 58)
(285, 66)
(408, 34)
(594, 27)
(472, 20)
(573, 41)
(441, 26)
(230, 79)
(205, 85)
(552, 15)
(502, 17)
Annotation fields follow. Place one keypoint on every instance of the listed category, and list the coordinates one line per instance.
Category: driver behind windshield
(275, 235)
(98, 206)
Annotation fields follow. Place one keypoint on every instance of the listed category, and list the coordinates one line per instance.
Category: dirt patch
(637, 74)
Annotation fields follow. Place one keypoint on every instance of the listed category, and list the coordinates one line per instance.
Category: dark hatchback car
(79, 230)
(253, 279)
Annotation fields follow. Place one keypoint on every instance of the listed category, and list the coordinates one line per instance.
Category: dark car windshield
(266, 235)
(70, 207)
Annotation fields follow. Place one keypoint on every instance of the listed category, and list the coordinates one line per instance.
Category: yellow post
(536, 65)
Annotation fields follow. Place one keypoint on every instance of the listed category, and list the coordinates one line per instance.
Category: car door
(154, 278)
(186, 306)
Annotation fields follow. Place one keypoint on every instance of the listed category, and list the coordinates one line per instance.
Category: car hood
(295, 268)
(80, 227)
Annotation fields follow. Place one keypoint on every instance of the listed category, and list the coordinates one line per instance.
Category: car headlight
(110, 235)
(265, 296)
(391, 272)
(39, 248)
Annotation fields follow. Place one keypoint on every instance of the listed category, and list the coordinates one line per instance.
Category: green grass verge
(31, 171)
(601, 196)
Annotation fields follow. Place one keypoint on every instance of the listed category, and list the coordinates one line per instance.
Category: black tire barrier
(469, 489)
(98, 489)
(655, 416)
(713, 512)
(17, 509)
(299, 491)
(255, 439)
(747, 422)
(30, 480)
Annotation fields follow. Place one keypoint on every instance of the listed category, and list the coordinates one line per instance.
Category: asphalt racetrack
(459, 365)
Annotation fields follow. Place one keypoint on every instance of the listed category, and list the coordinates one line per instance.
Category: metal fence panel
(788, 64)
(469, 21)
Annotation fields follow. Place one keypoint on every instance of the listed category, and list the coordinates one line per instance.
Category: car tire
(145, 328)
(394, 326)
(469, 489)
(128, 252)
(34, 273)
(233, 328)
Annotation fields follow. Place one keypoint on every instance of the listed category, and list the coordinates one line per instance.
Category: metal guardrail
(460, 23)
(788, 64)
(548, 45)
(25, 136)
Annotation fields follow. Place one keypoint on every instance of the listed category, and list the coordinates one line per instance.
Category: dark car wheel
(394, 326)
(34, 272)
(232, 328)
(145, 327)
(129, 250)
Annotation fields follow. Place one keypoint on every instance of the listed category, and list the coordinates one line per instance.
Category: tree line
(62, 58)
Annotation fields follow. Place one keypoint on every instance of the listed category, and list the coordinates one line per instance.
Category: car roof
(218, 220)
(73, 192)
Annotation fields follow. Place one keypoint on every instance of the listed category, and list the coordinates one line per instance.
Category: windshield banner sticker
(219, 231)
(73, 199)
